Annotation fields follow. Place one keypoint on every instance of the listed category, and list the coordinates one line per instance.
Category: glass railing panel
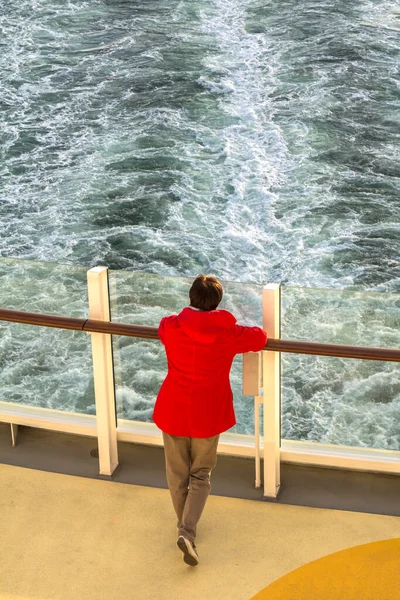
(43, 366)
(140, 365)
(334, 400)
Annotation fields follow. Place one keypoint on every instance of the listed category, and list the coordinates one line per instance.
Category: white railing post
(252, 382)
(14, 434)
(272, 393)
(99, 309)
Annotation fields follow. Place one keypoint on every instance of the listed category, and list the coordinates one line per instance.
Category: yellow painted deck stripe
(367, 572)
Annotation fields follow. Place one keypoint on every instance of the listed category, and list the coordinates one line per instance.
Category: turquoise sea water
(255, 140)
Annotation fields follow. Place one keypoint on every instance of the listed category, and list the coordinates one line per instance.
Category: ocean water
(255, 140)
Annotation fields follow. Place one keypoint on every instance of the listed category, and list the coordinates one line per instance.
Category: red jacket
(195, 399)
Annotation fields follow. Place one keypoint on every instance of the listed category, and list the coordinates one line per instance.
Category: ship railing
(261, 379)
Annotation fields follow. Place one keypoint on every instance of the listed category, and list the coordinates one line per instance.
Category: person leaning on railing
(195, 404)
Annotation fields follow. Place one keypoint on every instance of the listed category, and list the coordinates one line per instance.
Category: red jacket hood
(205, 326)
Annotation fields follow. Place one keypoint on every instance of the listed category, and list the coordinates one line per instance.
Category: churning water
(255, 140)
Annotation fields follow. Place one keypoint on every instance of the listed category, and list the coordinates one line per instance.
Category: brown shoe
(189, 550)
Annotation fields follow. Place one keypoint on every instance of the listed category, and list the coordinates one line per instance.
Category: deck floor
(68, 537)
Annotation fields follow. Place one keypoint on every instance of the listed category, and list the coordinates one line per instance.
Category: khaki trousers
(189, 462)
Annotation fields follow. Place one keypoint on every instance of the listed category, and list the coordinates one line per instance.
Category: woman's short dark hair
(205, 293)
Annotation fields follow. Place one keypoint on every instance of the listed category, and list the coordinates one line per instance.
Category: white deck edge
(292, 451)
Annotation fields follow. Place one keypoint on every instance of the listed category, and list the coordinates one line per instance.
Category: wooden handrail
(339, 350)
(30, 318)
(143, 331)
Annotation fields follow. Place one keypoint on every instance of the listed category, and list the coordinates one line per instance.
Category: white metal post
(272, 393)
(14, 434)
(251, 382)
(99, 308)
(257, 401)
